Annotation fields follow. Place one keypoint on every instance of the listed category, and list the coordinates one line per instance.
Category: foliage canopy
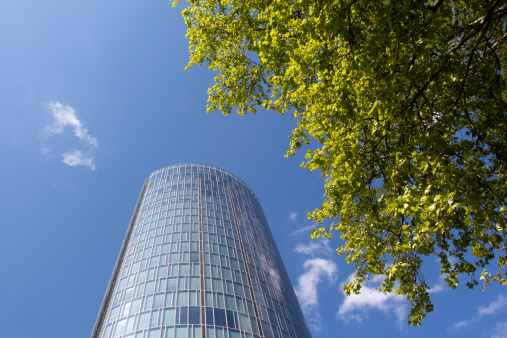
(407, 102)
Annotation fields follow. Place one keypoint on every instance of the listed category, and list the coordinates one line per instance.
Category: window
(169, 316)
(219, 317)
(182, 298)
(120, 326)
(194, 315)
(144, 320)
(158, 301)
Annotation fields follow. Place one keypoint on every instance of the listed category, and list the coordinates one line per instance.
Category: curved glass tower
(199, 261)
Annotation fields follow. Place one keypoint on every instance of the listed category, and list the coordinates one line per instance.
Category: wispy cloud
(315, 248)
(316, 270)
(355, 307)
(460, 325)
(500, 330)
(64, 118)
(292, 216)
(493, 308)
(318, 267)
(76, 157)
(304, 230)
(439, 285)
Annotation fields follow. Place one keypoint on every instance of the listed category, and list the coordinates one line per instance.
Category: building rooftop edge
(204, 165)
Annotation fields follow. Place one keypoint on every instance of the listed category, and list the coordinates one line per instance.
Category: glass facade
(199, 261)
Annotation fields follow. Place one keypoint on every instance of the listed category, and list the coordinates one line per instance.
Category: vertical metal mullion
(201, 263)
(257, 317)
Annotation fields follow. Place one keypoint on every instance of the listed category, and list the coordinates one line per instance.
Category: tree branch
(435, 7)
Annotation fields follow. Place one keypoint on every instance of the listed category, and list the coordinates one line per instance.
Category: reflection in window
(164, 257)
(120, 326)
(219, 317)
(169, 316)
(181, 332)
(144, 320)
(194, 315)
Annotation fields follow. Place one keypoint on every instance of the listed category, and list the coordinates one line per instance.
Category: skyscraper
(199, 261)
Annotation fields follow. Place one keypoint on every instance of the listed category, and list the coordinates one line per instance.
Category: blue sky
(95, 98)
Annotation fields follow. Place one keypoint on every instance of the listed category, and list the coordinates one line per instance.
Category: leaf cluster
(407, 102)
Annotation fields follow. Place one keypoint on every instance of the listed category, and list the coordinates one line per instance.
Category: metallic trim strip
(201, 261)
(246, 264)
(114, 277)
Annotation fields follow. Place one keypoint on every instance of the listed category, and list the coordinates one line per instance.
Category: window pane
(154, 333)
(181, 332)
(119, 327)
(197, 331)
(113, 314)
(192, 298)
(209, 316)
(169, 332)
(194, 256)
(169, 299)
(244, 323)
(169, 316)
(255, 328)
(144, 320)
(183, 298)
(233, 334)
(172, 283)
(183, 315)
(230, 302)
(195, 283)
(183, 269)
(154, 319)
(219, 317)
(126, 309)
(219, 332)
(231, 320)
(162, 271)
(194, 315)
(130, 324)
(136, 304)
(217, 285)
(182, 284)
(238, 288)
(209, 299)
(158, 301)
(150, 287)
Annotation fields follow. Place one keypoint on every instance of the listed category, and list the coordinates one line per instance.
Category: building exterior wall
(182, 273)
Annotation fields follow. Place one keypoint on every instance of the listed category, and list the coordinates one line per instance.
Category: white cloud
(292, 216)
(64, 117)
(314, 248)
(439, 285)
(500, 331)
(354, 307)
(76, 157)
(317, 268)
(307, 229)
(460, 325)
(493, 307)
(316, 271)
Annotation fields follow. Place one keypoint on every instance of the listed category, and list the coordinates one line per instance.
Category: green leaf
(403, 105)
